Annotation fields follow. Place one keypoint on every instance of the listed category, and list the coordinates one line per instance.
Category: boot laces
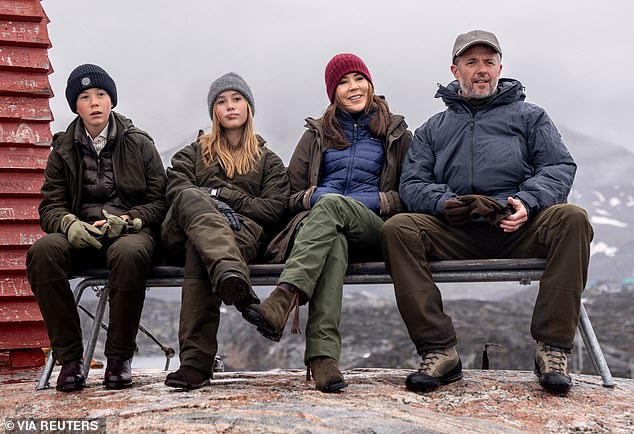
(294, 305)
(429, 360)
(554, 360)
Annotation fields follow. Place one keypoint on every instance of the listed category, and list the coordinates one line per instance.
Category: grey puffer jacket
(507, 148)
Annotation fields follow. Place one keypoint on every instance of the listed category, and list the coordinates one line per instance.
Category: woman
(344, 177)
(227, 192)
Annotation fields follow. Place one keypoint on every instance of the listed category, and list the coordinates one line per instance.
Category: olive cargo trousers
(211, 249)
(335, 227)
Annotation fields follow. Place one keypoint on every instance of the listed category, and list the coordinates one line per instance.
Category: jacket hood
(509, 90)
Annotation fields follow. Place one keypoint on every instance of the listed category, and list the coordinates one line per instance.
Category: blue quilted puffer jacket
(356, 170)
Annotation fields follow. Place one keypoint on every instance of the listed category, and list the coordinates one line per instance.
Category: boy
(103, 201)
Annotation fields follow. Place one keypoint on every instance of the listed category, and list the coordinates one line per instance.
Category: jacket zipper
(351, 157)
(472, 145)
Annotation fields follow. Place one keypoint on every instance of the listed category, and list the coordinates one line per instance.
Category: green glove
(134, 225)
(115, 226)
(80, 234)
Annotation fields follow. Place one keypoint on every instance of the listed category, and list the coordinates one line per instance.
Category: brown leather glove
(456, 212)
(484, 206)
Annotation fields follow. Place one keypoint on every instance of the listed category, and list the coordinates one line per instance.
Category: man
(103, 200)
(487, 178)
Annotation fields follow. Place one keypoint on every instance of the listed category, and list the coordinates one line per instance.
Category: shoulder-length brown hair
(233, 160)
(379, 124)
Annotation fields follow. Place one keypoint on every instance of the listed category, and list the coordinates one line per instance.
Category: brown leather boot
(326, 373)
(270, 317)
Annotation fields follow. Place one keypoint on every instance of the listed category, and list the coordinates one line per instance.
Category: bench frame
(523, 271)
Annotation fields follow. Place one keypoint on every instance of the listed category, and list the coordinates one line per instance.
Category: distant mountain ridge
(604, 186)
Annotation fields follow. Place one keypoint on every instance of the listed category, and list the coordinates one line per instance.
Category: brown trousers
(560, 233)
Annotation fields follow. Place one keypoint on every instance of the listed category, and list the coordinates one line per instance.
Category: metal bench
(523, 271)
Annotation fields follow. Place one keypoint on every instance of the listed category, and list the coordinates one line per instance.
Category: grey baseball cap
(474, 37)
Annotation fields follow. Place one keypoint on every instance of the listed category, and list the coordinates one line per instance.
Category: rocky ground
(374, 335)
(374, 402)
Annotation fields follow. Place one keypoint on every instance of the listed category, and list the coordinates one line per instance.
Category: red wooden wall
(25, 139)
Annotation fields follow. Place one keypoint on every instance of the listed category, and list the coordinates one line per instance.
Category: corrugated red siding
(25, 137)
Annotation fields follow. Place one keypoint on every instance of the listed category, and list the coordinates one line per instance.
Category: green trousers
(211, 248)
(50, 262)
(560, 233)
(335, 228)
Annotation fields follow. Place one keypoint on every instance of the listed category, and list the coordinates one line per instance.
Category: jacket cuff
(308, 194)
(225, 194)
(390, 203)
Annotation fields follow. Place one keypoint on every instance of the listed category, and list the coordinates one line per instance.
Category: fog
(163, 55)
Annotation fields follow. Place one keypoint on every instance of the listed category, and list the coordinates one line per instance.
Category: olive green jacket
(260, 195)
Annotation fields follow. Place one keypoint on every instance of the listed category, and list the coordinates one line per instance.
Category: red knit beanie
(339, 66)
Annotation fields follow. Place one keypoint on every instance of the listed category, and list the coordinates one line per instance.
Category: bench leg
(42, 383)
(591, 342)
(94, 331)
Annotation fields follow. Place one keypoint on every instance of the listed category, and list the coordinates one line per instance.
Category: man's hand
(456, 212)
(516, 220)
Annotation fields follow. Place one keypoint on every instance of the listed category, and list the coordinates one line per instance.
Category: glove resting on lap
(462, 209)
(80, 234)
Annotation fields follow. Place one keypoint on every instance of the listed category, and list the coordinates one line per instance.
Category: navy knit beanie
(341, 65)
(229, 81)
(87, 77)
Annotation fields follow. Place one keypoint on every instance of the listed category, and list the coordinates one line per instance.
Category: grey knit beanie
(85, 77)
(229, 81)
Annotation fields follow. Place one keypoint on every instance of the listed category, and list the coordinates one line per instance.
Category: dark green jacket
(260, 195)
(138, 171)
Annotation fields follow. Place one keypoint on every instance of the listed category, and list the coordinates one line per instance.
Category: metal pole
(96, 325)
(596, 355)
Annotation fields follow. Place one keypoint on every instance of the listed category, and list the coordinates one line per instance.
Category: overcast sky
(164, 54)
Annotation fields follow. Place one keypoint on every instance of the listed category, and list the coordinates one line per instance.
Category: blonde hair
(234, 160)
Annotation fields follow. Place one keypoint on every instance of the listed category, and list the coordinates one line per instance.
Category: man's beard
(471, 93)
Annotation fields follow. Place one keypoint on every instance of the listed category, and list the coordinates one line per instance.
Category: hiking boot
(437, 367)
(270, 317)
(118, 374)
(551, 367)
(71, 377)
(326, 373)
(188, 378)
(233, 287)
